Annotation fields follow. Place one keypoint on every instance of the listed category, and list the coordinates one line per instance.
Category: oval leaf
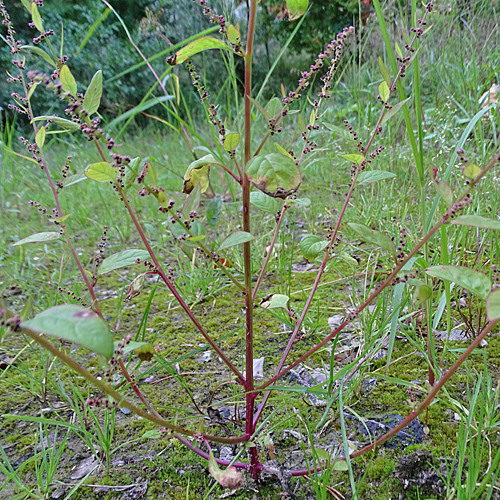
(445, 191)
(471, 280)
(471, 171)
(369, 176)
(274, 107)
(296, 8)
(354, 158)
(35, 16)
(237, 238)
(198, 173)
(277, 301)
(421, 294)
(375, 237)
(274, 174)
(231, 141)
(39, 51)
(62, 122)
(384, 71)
(394, 110)
(40, 138)
(67, 80)
(476, 221)
(233, 34)
(228, 478)
(76, 324)
(311, 245)
(493, 305)
(93, 94)
(264, 202)
(199, 45)
(122, 259)
(283, 151)
(197, 230)
(38, 237)
(101, 172)
(383, 90)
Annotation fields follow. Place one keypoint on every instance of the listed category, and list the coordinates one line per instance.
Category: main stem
(255, 465)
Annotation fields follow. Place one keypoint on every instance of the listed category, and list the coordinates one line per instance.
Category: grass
(30, 275)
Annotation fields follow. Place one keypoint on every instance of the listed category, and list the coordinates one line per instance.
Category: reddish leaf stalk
(174, 291)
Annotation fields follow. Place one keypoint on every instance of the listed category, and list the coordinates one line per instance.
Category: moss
(381, 468)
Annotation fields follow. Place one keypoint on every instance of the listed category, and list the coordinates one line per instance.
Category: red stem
(255, 465)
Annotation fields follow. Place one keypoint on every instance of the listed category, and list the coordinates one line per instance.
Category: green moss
(381, 468)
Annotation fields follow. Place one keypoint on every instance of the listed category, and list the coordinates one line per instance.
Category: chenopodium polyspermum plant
(267, 181)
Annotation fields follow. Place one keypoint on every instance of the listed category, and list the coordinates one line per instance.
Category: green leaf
(305, 202)
(274, 174)
(277, 301)
(27, 4)
(197, 230)
(493, 305)
(35, 238)
(398, 50)
(471, 280)
(198, 45)
(233, 34)
(383, 90)
(311, 245)
(152, 434)
(394, 110)
(76, 324)
(213, 210)
(93, 94)
(296, 8)
(40, 137)
(122, 259)
(62, 122)
(421, 294)
(283, 151)
(74, 179)
(101, 172)
(369, 176)
(67, 80)
(384, 71)
(471, 171)
(445, 191)
(340, 465)
(264, 202)
(376, 237)
(237, 238)
(342, 132)
(228, 478)
(32, 90)
(35, 16)
(264, 113)
(274, 107)
(231, 141)
(198, 173)
(192, 201)
(39, 51)
(354, 158)
(476, 221)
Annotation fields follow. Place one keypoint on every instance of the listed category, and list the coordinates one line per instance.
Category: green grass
(446, 84)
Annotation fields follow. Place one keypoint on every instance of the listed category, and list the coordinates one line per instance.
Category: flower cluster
(333, 53)
(14, 45)
(69, 293)
(99, 255)
(214, 18)
(64, 173)
(456, 207)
